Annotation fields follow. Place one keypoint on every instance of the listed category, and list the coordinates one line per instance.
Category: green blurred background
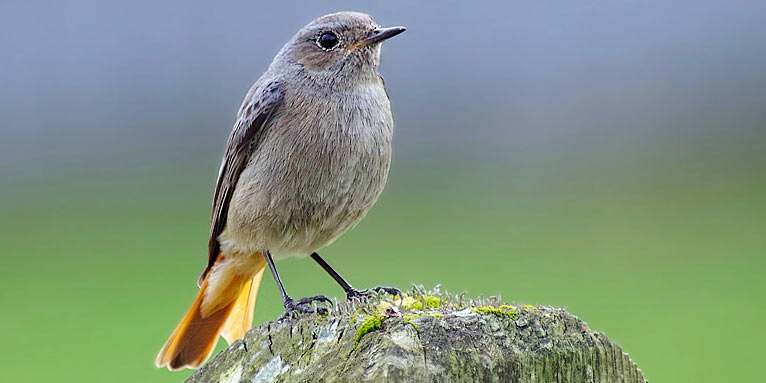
(605, 157)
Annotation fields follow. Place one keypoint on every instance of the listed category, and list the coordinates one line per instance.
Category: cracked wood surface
(416, 341)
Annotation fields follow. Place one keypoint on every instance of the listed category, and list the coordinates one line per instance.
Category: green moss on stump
(373, 323)
(426, 302)
(507, 311)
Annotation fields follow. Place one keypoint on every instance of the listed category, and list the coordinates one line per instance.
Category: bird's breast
(319, 166)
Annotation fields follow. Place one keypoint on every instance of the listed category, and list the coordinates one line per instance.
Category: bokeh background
(606, 157)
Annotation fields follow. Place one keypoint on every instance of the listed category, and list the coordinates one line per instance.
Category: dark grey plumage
(311, 148)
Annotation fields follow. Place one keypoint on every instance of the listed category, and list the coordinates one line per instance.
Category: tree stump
(426, 337)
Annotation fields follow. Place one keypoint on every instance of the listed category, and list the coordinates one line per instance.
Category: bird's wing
(256, 111)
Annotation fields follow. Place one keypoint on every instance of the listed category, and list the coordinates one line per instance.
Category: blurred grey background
(95, 77)
(604, 156)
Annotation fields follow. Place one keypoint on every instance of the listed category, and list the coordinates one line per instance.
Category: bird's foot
(294, 307)
(362, 295)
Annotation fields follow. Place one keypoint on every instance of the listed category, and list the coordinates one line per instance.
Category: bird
(307, 158)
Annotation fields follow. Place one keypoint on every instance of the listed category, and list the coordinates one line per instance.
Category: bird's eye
(328, 41)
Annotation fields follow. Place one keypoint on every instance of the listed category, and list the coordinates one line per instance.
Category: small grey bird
(306, 160)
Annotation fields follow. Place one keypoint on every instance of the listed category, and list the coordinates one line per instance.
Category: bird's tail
(224, 306)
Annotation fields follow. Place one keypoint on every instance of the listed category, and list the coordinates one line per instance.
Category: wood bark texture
(427, 337)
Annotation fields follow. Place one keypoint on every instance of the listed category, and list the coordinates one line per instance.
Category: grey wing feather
(255, 113)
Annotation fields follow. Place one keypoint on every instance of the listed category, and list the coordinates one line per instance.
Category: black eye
(327, 41)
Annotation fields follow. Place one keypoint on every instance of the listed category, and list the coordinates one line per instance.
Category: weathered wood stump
(427, 337)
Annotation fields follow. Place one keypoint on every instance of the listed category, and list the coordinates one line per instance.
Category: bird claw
(293, 307)
(363, 295)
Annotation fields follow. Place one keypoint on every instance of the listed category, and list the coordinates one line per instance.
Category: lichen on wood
(426, 337)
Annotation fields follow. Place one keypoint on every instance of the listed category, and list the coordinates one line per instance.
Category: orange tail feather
(194, 339)
(241, 318)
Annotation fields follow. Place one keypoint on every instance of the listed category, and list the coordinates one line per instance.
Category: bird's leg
(351, 292)
(292, 306)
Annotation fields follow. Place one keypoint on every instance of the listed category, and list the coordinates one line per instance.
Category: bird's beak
(377, 35)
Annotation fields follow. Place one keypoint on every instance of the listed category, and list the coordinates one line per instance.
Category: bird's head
(338, 47)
